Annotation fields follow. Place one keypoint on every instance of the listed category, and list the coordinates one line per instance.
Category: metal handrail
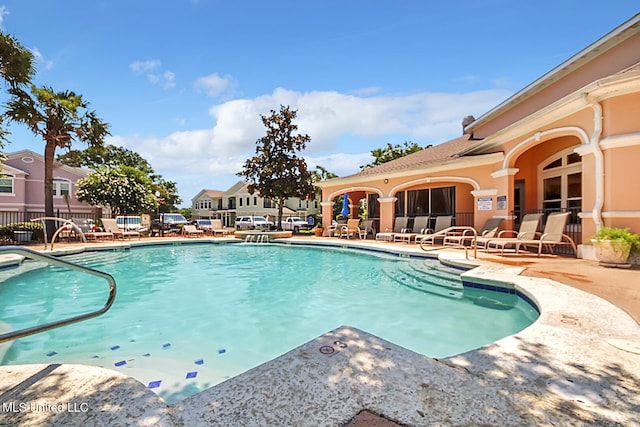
(64, 221)
(28, 253)
(463, 228)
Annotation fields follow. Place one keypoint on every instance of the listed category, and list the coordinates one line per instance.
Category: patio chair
(399, 225)
(352, 229)
(111, 226)
(552, 236)
(527, 231)
(191, 231)
(367, 229)
(439, 232)
(489, 229)
(217, 228)
(420, 227)
(89, 233)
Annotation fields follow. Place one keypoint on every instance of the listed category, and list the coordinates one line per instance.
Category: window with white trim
(6, 184)
(560, 183)
(61, 186)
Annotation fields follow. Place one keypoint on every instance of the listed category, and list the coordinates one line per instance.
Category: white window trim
(13, 185)
(562, 171)
(56, 186)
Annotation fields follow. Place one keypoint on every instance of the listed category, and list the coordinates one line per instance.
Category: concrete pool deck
(579, 364)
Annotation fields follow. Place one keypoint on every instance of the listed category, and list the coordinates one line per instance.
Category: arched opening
(549, 179)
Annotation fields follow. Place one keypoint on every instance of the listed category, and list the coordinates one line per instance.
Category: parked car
(245, 222)
(169, 221)
(295, 224)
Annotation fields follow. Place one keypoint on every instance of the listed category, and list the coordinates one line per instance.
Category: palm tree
(16, 68)
(59, 118)
(16, 61)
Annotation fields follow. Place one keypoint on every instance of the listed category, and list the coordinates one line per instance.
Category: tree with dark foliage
(276, 172)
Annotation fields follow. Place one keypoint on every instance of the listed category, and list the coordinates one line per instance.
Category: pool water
(187, 317)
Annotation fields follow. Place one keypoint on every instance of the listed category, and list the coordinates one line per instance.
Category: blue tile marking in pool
(115, 347)
(166, 346)
(222, 350)
(191, 375)
(95, 356)
(503, 290)
(146, 355)
(121, 363)
(199, 362)
(52, 353)
(154, 384)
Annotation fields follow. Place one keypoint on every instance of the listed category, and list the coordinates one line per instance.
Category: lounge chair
(191, 231)
(439, 232)
(420, 226)
(217, 228)
(528, 231)
(352, 229)
(489, 229)
(111, 226)
(89, 233)
(552, 236)
(388, 235)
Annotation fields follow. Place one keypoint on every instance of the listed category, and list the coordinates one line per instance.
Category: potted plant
(613, 246)
(318, 230)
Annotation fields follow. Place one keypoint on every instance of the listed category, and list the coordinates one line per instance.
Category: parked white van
(129, 222)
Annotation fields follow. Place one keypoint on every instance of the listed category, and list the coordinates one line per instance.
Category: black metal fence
(13, 217)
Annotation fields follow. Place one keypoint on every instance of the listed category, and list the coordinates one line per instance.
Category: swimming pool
(187, 317)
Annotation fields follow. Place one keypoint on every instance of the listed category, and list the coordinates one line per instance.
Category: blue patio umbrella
(345, 205)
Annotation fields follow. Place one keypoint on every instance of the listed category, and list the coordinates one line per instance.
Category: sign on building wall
(502, 203)
(485, 203)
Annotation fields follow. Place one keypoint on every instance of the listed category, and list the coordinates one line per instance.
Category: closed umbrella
(345, 205)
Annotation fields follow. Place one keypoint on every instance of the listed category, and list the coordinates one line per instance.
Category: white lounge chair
(420, 227)
(490, 229)
(552, 236)
(111, 226)
(527, 231)
(439, 232)
(191, 231)
(217, 228)
(388, 235)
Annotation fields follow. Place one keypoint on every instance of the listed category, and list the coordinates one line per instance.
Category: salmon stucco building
(570, 141)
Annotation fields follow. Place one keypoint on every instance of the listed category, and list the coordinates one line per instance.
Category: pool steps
(422, 277)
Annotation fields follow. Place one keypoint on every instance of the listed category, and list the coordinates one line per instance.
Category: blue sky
(183, 82)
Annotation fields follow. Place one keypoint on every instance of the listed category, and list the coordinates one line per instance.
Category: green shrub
(6, 231)
(619, 235)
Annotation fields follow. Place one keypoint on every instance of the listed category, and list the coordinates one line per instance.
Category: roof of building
(82, 172)
(235, 188)
(423, 158)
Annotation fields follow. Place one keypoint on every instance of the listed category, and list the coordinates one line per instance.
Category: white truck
(295, 224)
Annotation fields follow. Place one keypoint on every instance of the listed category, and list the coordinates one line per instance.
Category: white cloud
(215, 85)
(343, 130)
(3, 11)
(152, 69)
(142, 67)
(46, 64)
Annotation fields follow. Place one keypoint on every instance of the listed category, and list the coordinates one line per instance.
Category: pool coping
(543, 375)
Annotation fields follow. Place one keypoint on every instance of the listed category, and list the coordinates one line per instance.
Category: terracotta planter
(612, 252)
(318, 231)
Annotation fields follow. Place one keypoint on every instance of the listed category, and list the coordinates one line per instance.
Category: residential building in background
(22, 188)
(236, 201)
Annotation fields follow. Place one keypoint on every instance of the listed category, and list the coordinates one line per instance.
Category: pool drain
(571, 390)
